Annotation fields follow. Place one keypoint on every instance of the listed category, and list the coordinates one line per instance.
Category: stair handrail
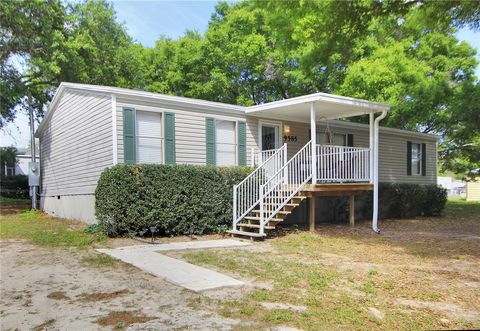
(246, 194)
(290, 178)
(258, 156)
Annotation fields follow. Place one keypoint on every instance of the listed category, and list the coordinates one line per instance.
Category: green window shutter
(210, 140)
(242, 143)
(409, 158)
(424, 159)
(350, 140)
(169, 137)
(129, 148)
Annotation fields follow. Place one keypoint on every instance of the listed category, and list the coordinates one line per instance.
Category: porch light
(286, 128)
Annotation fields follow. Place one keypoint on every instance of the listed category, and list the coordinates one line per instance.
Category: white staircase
(276, 187)
(270, 193)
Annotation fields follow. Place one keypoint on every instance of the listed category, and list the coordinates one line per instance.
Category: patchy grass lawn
(99, 260)
(418, 274)
(43, 230)
(13, 206)
(52, 278)
(13, 201)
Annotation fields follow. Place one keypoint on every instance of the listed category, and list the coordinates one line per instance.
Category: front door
(270, 140)
(270, 136)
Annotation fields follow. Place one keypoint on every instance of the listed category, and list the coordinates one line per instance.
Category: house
(473, 190)
(453, 187)
(23, 157)
(88, 128)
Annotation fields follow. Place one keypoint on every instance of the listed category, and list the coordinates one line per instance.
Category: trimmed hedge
(176, 199)
(405, 200)
(14, 187)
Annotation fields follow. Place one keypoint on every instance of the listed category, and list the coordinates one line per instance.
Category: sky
(145, 21)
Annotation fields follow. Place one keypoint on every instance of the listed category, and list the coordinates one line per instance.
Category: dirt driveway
(56, 289)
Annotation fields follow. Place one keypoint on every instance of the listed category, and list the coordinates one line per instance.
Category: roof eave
(369, 106)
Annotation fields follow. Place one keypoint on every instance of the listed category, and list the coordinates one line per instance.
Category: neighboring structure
(89, 128)
(22, 158)
(454, 187)
(473, 190)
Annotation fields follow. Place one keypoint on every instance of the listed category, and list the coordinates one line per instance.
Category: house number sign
(289, 138)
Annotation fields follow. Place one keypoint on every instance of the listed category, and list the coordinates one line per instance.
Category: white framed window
(149, 137)
(324, 138)
(416, 161)
(226, 143)
(269, 135)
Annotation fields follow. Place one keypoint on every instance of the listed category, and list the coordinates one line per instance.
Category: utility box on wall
(34, 174)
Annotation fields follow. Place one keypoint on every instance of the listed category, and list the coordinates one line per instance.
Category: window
(339, 139)
(148, 134)
(270, 136)
(226, 144)
(10, 171)
(416, 161)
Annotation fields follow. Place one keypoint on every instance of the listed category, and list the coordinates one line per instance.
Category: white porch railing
(258, 157)
(343, 164)
(276, 181)
(287, 181)
(246, 195)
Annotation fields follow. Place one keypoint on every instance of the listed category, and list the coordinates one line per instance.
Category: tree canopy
(403, 53)
(43, 43)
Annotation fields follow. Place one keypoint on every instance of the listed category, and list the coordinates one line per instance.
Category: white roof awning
(328, 107)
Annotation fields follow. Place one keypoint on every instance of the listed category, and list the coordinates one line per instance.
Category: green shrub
(435, 200)
(404, 200)
(176, 199)
(14, 187)
(395, 201)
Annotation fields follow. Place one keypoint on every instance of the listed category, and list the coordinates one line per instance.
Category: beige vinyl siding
(301, 130)
(76, 146)
(190, 139)
(393, 159)
(392, 149)
(189, 128)
(473, 191)
(252, 137)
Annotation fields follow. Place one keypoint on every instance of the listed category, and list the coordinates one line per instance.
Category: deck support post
(352, 210)
(313, 139)
(312, 212)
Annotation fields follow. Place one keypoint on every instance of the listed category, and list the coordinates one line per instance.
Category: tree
(460, 145)
(44, 43)
(403, 53)
(8, 157)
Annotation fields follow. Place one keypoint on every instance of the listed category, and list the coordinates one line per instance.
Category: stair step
(299, 197)
(255, 218)
(270, 223)
(286, 205)
(278, 212)
(255, 226)
(246, 233)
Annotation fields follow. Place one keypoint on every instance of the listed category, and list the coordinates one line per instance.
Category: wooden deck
(334, 189)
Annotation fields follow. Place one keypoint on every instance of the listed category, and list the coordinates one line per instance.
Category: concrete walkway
(192, 277)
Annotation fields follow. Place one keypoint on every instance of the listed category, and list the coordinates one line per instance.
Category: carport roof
(327, 106)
